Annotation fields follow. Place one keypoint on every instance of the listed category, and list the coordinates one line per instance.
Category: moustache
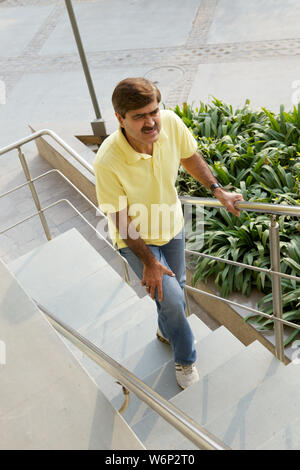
(148, 129)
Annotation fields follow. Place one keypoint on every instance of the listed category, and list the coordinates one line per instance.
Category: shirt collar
(131, 155)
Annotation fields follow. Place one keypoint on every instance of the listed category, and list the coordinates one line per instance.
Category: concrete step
(140, 355)
(185, 444)
(67, 258)
(47, 401)
(214, 393)
(265, 411)
(95, 298)
(134, 341)
(121, 346)
(70, 279)
(212, 350)
(287, 438)
(101, 332)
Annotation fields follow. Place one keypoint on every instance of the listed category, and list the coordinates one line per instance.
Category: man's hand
(197, 167)
(152, 278)
(153, 270)
(228, 200)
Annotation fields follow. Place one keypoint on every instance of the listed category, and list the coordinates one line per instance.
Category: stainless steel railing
(40, 211)
(190, 429)
(275, 209)
(195, 433)
(54, 136)
(183, 423)
(274, 271)
(271, 209)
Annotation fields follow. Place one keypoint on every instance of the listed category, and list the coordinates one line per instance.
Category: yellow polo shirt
(144, 183)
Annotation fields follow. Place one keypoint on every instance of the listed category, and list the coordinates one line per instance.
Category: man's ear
(120, 119)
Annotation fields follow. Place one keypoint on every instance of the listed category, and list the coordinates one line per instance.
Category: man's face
(142, 126)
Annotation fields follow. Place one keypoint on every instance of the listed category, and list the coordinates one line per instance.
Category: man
(136, 168)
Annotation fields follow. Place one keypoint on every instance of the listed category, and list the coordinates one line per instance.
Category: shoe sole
(180, 386)
(184, 388)
(187, 386)
(163, 340)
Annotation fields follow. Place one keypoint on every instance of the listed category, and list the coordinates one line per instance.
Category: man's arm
(197, 167)
(153, 270)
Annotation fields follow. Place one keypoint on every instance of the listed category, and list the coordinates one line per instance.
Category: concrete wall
(59, 158)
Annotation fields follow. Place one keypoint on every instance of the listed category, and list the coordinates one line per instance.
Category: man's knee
(173, 295)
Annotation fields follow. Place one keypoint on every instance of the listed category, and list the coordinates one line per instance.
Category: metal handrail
(249, 309)
(276, 209)
(274, 272)
(183, 423)
(59, 140)
(242, 265)
(249, 206)
(47, 132)
(272, 209)
(55, 170)
(193, 289)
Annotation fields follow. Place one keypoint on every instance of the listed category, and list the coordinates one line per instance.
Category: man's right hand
(153, 270)
(152, 278)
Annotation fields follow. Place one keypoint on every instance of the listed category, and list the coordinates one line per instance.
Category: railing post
(34, 194)
(98, 125)
(276, 287)
(187, 304)
(126, 272)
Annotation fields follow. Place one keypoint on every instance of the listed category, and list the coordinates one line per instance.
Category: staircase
(245, 397)
(47, 400)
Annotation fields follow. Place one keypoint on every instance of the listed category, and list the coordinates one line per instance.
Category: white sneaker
(161, 337)
(186, 375)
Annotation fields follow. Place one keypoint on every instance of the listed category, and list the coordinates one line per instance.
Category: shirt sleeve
(110, 193)
(186, 142)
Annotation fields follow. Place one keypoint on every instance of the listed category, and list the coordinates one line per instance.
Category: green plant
(256, 153)
(290, 264)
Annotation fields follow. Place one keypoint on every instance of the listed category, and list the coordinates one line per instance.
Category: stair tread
(202, 401)
(273, 404)
(95, 298)
(163, 379)
(287, 438)
(102, 330)
(130, 340)
(148, 355)
(239, 387)
(77, 293)
(66, 257)
(47, 399)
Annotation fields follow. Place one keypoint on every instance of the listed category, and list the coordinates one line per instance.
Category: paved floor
(196, 49)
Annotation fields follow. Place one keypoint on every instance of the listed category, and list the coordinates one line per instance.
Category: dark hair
(134, 93)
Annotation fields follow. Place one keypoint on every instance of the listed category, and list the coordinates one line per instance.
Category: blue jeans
(172, 320)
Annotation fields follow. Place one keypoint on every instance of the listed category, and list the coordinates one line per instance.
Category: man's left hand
(228, 200)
